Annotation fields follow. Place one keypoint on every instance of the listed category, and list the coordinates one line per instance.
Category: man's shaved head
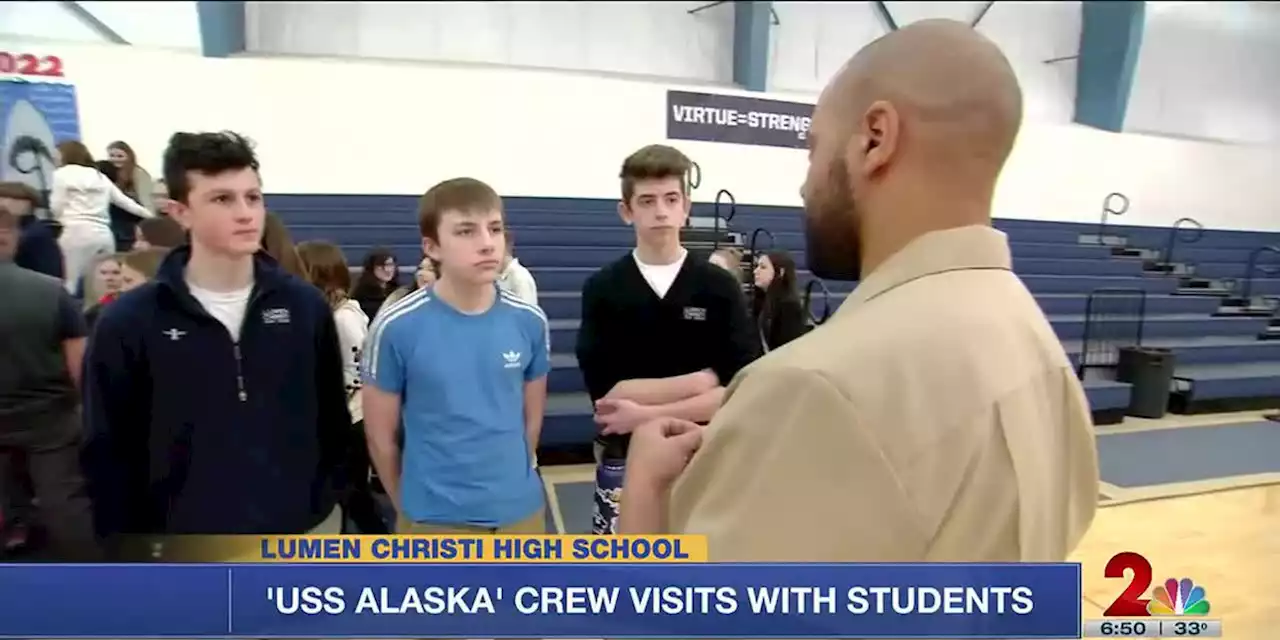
(928, 113)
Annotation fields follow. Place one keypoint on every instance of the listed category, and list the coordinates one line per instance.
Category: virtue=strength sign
(541, 601)
(713, 117)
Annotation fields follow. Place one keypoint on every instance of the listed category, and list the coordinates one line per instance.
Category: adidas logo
(512, 359)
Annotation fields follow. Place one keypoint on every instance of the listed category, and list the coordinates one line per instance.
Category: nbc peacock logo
(1178, 598)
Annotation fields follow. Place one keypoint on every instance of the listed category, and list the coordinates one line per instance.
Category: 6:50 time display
(30, 64)
(1124, 628)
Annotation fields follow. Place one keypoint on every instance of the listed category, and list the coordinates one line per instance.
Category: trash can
(1150, 374)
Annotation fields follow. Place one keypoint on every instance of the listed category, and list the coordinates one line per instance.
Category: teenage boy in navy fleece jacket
(214, 399)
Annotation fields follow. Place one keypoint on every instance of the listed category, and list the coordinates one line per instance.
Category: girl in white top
(515, 278)
(327, 269)
(79, 201)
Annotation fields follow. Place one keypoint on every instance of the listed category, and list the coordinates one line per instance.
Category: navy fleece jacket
(192, 433)
(38, 247)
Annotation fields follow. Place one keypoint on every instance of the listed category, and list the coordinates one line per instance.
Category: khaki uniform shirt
(933, 418)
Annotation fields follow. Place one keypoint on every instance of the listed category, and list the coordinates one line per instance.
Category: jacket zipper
(243, 394)
(242, 391)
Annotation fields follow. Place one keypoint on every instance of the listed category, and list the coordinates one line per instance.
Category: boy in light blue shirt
(463, 364)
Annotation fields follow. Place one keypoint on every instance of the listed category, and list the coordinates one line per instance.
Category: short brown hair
(464, 195)
(145, 261)
(74, 152)
(162, 231)
(19, 191)
(326, 269)
(654, 162)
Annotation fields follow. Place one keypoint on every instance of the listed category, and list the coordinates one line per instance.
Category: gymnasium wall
(328, 125)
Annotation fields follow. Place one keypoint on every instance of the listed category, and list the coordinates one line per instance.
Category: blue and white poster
(34, 118)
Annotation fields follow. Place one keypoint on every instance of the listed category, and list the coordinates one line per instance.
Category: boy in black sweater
(214, 394)
(662, 332)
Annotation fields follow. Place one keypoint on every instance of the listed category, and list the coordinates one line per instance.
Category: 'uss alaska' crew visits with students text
(935, 417)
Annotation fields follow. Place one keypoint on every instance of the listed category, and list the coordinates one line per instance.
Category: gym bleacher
(1205, 294)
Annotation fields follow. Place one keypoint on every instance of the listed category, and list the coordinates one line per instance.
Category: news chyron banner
(529, 587)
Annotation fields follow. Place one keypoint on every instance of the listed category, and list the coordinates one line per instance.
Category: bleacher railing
(1115, 204)
(730, 210)
(1251, 268)
(753, 257)
(1113, 318)
(694, 178)
(808, 301)
(754, 245)
(1188, 230)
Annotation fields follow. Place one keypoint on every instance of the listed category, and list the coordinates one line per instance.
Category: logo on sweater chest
(277, 315)
(695, 313)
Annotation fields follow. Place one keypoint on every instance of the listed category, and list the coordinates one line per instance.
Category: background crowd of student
(107, 231)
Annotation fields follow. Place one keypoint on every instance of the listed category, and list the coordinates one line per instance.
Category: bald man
(935, 417)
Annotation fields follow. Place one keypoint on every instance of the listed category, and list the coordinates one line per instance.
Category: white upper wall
(1209, 70)
(168, 25)
(814, 39)
(660, 39)
(348, 126)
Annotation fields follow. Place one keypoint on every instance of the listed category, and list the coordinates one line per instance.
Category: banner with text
(737, 119)
(540, 601)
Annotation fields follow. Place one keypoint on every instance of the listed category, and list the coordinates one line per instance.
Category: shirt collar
(971, 247)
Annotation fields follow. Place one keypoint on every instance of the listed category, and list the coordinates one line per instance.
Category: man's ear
(624, 212)
(876, 142)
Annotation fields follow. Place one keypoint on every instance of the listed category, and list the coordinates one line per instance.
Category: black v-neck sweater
(629, 333)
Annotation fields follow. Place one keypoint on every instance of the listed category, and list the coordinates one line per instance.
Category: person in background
(37, 239)
(161, 231)
(278, 244)
(327, 270)
(132, 179)
(423, 278)
(79, 201)
(463, 367)
(514, 277)
(661, 334)
(160, 197)
(140, 266)
(102, 287)
(779, 313)
(427, 274)
(124, 225)
(42, 336)
(103, 284)
(378, 279)
(257, 446)
(136, 268)
(728, 259)
(935, 417)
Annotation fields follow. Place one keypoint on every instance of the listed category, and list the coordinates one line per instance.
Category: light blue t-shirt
(461, 379)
